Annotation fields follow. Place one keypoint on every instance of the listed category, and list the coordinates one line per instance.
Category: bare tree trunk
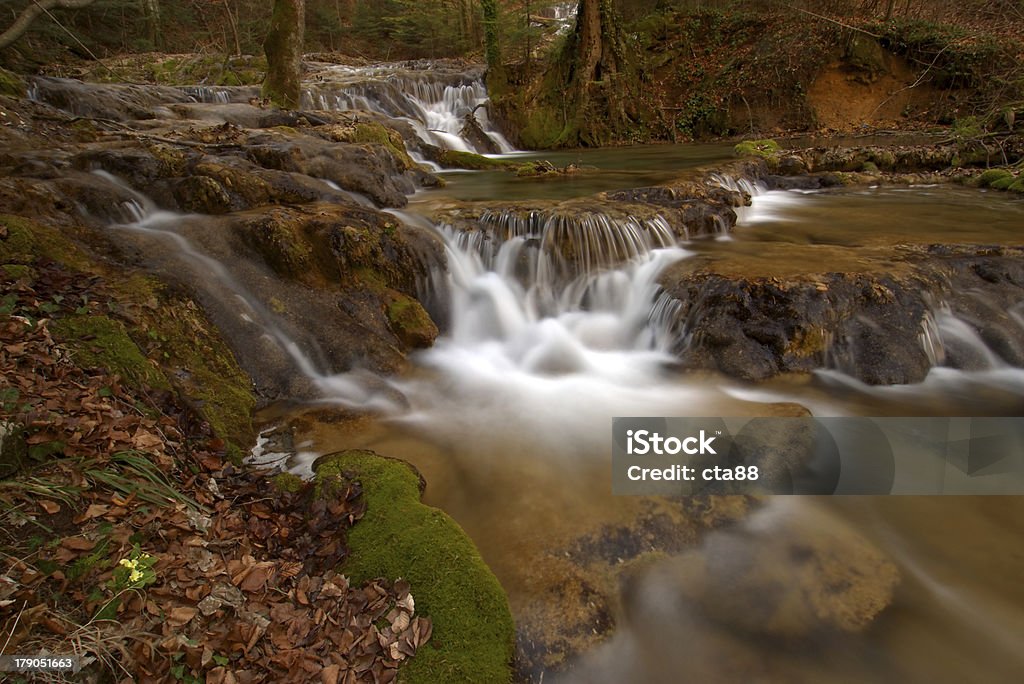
(30, 13)
(283, 46)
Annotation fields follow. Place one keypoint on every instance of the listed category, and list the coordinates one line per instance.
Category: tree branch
(30, 13)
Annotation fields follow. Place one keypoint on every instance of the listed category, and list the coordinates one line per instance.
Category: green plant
(131, 472)
(135, 571)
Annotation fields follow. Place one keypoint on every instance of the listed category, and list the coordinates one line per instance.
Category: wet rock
(474, 133)
(371, 169)
(411, 323)
(785, 575)
(869, 325)
(96, 198)
(118, 102)
(754, 328)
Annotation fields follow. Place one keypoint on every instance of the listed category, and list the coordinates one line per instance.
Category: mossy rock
(28, 240)
(410, 322)
(390, 138)
(400, 537)
(869, 167)
(215, 69)
(102, 342)
(454, 159)
(279, 238)
(989, 177)
(1003, 183)
(287, 482)
(1017, 186)
(11, 84)
(206, 369)
(766, 149)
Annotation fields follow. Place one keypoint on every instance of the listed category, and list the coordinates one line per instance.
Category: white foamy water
(435, 105)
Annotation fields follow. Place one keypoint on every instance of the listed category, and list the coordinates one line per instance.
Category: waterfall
(435, 104)
(433, 101)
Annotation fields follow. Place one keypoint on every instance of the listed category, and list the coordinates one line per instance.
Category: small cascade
(552, 250)
(771, 205)
(953, 341)
(221, 94)
(565, 14)
(435, 104)
(227, 294)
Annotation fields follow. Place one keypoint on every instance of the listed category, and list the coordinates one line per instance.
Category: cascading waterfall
(435, 105)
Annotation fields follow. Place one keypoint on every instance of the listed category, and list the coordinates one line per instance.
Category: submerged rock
(783, 575)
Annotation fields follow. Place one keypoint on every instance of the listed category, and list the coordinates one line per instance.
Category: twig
(833, 21)
(916, 83)
(15, 627)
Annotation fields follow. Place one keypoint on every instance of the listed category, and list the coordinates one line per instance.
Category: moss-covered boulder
(766, 149)
(987, 178)
(454, 159)
(410, 322)
(400, 537)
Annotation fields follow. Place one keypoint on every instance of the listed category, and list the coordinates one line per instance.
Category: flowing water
(508, 415)
(508, 418)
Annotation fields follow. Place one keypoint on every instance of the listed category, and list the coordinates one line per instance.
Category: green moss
(401, 537)
(757, 148)
(542, 128)
(19, 246)
(208, 69)
(224, 392)
(1017, 186)
(1003, 183)
(373, 132)
(101, 342)
(991, 176)
(453, 159)
(287, 482)
(869, 167)
(11, 84)
(28, 241)
(410, 322)
(17, 271)
(280, 241)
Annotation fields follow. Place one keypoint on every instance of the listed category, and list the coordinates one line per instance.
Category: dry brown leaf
(330, 674)
(77, 543)
(181, 615)
(51, 507)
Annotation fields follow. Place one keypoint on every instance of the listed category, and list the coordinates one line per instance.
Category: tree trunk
(152, 11)
(597, 41)
(283, 46)
(492, 47)
(30, 13)
(593, 92)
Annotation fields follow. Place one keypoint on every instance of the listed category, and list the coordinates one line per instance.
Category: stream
(508, 414)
